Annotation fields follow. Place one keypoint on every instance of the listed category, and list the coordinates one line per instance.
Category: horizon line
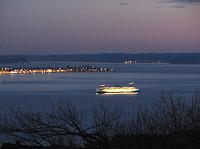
(99, 53)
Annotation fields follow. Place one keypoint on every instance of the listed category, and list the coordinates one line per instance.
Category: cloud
(123, 3)
(178, 3)
(178, 6)
(191, 2)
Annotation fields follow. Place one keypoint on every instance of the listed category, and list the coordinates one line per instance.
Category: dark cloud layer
(123, 3)
(193, 2)
(178, 6)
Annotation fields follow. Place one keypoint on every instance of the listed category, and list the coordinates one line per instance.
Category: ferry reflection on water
(125, 93)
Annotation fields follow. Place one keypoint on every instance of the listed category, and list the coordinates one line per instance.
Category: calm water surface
(41, 91)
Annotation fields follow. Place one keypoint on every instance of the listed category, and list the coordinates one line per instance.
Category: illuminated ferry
(117, 89)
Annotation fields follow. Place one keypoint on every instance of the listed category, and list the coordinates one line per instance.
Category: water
(41, 91)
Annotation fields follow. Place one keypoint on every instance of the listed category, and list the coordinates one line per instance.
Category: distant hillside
(13, 59)
(174, 58)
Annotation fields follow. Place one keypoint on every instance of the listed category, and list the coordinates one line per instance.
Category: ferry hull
(103, 92)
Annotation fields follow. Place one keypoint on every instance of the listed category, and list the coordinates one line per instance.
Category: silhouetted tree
(103, 125)
(62, 125)
(172, 114)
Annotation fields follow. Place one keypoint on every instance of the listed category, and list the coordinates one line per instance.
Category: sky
(99, 26)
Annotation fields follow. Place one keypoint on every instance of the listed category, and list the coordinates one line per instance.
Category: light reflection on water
(128, 93)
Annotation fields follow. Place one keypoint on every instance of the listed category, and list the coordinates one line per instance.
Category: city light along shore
(54, 70)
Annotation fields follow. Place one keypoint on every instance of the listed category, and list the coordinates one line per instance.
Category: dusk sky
(99, 26)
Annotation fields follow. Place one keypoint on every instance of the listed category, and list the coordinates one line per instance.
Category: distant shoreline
(166, 58)
(67, 69)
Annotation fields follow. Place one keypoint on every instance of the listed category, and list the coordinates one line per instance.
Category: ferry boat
(117, 89)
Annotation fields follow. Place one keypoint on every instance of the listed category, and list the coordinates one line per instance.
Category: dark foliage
(171, 123)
